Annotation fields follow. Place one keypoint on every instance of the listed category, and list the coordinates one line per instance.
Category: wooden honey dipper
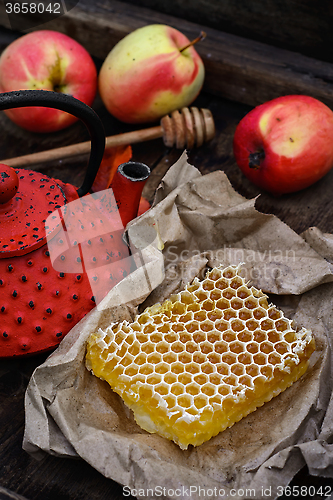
(182, 129)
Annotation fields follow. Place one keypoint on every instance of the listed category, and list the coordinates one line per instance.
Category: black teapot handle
(64, 102)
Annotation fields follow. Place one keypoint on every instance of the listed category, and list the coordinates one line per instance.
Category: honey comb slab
(205, 358)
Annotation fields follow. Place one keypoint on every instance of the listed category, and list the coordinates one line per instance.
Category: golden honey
(205, 358)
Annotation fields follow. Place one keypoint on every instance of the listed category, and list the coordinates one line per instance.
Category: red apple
(147, 74)
(286, 144)
(47, 60)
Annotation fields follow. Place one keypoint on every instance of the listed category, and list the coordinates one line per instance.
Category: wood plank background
(239, 69)
(302, 26)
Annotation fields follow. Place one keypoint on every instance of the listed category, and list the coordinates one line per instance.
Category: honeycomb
(201, 361)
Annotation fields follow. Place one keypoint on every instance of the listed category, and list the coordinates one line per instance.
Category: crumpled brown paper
(201, 221)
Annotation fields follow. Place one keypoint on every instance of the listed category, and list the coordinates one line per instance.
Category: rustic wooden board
(9, 495)
(245, 71)
(302, 26)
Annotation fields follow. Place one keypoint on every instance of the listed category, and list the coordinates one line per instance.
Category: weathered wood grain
(303, 26)
(238, 69)
(9, 495)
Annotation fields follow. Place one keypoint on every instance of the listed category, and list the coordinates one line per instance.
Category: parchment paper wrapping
(201, 221)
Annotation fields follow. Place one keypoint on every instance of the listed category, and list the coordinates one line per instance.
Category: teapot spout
(127, 185)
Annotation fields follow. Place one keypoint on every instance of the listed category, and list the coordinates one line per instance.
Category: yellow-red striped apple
(47, 60)
(285, 144)
(147, 74)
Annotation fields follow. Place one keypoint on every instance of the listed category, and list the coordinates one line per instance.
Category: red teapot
(55, 243)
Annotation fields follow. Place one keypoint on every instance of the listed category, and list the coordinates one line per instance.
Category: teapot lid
(27, 198)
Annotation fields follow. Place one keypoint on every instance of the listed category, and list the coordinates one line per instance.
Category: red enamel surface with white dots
(46, 291)
(23, 218)
(39, 305)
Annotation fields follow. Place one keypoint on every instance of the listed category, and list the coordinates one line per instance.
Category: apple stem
(255, 159)
(202, 36)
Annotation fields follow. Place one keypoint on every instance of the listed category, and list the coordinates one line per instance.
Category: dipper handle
(186, 128)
